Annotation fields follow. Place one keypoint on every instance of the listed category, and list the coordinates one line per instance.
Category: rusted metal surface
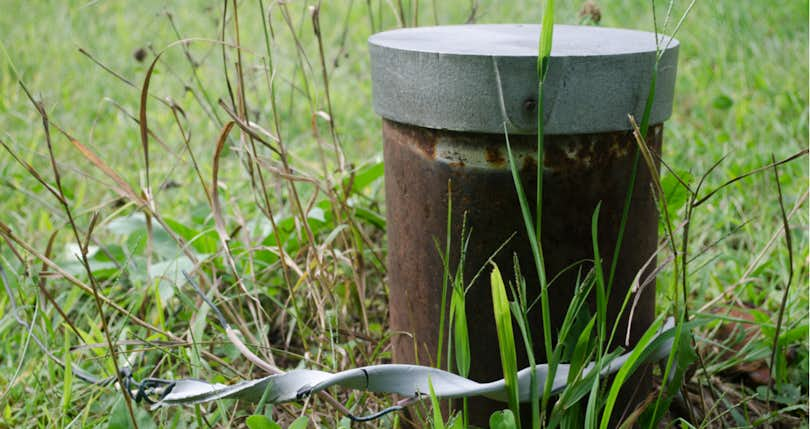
(580, 171)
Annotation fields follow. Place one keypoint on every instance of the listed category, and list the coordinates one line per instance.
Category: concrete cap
(476, 77)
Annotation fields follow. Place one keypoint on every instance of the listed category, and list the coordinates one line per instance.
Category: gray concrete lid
(478, 77)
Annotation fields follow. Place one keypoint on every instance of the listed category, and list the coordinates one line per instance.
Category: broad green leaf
(101, 270)
(370, 216)
(299, 423)
(120, 418)
(203, 241)
(258, 421)
(317, 213)
(134, 228)
(458, 423)
(365, 176)
(722, 102)
(170, 273)
(503, 419)
(674, 192)
(794, 335)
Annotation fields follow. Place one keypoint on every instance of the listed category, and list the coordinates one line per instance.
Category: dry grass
(243, 151)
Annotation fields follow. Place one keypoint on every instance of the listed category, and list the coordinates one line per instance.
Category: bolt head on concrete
(478, 78)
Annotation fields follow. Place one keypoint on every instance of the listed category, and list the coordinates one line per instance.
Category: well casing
(447, 96)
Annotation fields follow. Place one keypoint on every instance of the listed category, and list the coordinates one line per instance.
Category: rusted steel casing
(588, 161)
(581, 171)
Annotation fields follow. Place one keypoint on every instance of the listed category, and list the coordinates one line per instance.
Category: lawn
(741, 102)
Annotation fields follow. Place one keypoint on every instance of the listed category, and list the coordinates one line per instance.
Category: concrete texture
(478, 77)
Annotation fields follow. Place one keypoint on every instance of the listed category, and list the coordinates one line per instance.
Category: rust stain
(565, 153)
(529, 165)
(494, 156)
(422, 138)
(427, 146)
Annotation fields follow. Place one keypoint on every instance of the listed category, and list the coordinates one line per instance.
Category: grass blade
(506, 339)
(627, 369)
(438, 420)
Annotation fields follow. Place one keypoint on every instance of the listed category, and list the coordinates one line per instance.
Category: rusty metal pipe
(587, 161)
(580, 172)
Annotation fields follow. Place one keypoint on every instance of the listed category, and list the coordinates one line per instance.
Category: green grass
(741, 94)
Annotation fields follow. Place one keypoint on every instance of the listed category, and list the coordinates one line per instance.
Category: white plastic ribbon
(405, 380)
